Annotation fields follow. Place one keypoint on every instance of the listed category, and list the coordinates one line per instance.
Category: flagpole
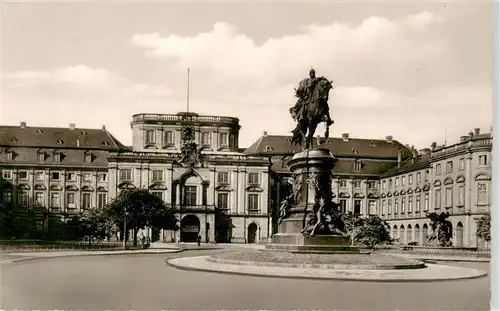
(188, 91)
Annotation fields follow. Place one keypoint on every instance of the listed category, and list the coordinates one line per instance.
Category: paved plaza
(145, 281)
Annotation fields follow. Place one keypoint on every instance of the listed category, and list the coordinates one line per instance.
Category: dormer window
(88, 158)
(358, 166)
(41, 156)
(223, 178)
(39, 131)
(268, 148)
(57, 157)
(253, 178)
(13, 139)
(9, 155)
(105, 143)
(84, 133)
(59, 142)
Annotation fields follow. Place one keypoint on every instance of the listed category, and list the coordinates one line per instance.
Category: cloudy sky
(414, 70)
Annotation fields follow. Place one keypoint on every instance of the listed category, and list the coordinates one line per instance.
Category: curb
(318, 266)
(351, 279)
(16, 260)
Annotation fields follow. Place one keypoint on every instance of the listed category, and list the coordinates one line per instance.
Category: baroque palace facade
(399, 183)
(229, 194)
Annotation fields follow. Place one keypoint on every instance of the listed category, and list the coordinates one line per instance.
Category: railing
(9, 246)
(184, 117)
(176, 156)
(464, 145)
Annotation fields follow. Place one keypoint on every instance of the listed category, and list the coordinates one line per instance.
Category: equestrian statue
(311, 109)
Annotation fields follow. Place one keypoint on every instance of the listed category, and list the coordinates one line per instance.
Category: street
(147, 282)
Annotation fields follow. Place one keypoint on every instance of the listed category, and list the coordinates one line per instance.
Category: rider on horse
(304, 93)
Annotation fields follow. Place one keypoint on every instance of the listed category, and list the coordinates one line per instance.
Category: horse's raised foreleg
(327, 131)
(310, 136)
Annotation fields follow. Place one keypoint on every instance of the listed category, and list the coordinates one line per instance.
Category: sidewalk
(440, 258)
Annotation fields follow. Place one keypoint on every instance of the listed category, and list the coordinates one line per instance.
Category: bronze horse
(312, 112)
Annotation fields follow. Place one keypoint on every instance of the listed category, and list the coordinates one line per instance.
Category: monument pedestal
(312, 171)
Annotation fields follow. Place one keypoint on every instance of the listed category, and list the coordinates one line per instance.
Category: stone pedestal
(312, 174)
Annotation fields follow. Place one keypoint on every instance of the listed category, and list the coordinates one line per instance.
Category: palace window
(103, 177)
(158, 194)
(23, 175)
(396, 206)
(343, 183)
(461, 195)
(223, 177)
(190, 195)
(437, 199)
(357, 207)
(205, 138)
(224, 139)
(41, 157)
(483, 160)
(426, 202)
(390, 183)
(448, 199)
(397, 181)
(384, 184)
(157, 175)
(253, 178)
(403, 205)
(461, 164)
(419, 177)
(372, 184)
(482, 194)
(449, 166)
(88, 158)
(71, 176)
(150, 136)
(87, 177)
(70, 200)
(55, 175)
(222, 201)
(39, 176)
(126, 174)
(343, 206)
(57, 157)
(39, 199)
(426, 175)
(7, 174)
(410, 179)
(410, 204)
(168, 137)
(389, 207)
(358, 166)
(102, 199)
(384, 207)
(7, 196)
(86, 199)
(372, 207)
(438, 169)
(9, 155)
(417, 207)
(22, 199)
(55, 200)
(357, 184)
(253, 202)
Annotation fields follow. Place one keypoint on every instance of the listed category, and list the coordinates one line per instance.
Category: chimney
(72, 126)
(425, 151)
(433, 145)
(388, 139)
(400, 157)
(463, 138)
(265, 133)
(77, 142)
(477, 131)
(471, 134)
(23, 125)
(103, 127)
(345, 136)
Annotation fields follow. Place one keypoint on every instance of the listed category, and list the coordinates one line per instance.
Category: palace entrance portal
(190, 228)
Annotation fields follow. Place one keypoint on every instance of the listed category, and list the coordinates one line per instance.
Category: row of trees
(136, 209)
(367, 231)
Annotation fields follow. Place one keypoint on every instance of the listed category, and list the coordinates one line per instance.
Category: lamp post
(125, 229)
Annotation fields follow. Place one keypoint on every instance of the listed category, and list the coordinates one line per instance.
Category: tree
(353, 224)
(484, 227)
(140, 208)
(92, 224)
(374, 231)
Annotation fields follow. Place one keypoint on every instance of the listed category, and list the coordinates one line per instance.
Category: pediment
(402, 192)
(460, 179)
(448, 181)
(55, 187)
(389, 195)
(382, 195)
(426, 187)
(72, 188)
(358, 195)
(437, 183)
(102, 189)
(344, 195)
(396, 193)
(418, 190)
(334, 195)
(158, 186)
(409, 191)
(223, 187)
(126, 185)
(372, 196)
(254, 189)
(482, 176)
(87, 188)
(40, 187)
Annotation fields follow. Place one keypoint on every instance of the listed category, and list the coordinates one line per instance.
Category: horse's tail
(297, 135)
